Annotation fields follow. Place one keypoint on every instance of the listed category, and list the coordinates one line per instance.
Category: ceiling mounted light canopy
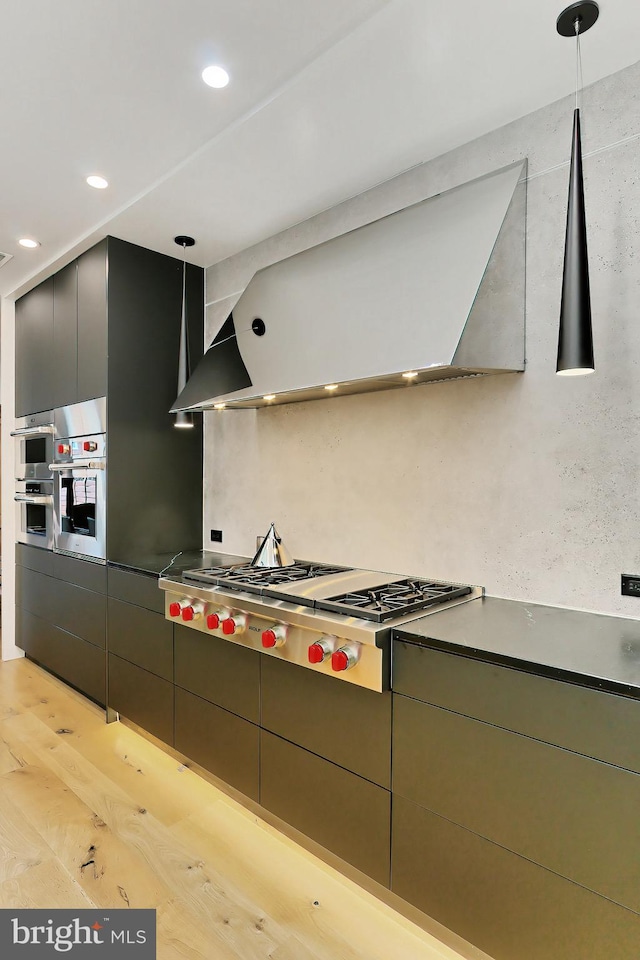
(98, 183)
(215, 76)
(29, 243)
(575, 339)
(183, 420)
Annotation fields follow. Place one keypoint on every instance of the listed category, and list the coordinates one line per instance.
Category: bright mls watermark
(80, 934)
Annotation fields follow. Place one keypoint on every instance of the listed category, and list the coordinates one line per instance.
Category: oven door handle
(34, 498)
(47, 428)
(91, 465)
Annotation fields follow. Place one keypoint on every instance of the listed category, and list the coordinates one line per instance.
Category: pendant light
(183, 420)
(575, 340)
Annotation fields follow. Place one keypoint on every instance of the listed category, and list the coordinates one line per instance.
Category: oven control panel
(358, 663)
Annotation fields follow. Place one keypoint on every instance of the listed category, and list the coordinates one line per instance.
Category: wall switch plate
(630, 585)
(216, 536)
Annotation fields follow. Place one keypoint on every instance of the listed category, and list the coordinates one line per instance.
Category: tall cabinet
(108, 325)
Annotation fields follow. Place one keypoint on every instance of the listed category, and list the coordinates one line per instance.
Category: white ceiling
(326, 98)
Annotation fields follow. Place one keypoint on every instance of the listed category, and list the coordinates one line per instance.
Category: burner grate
(244, 576)
(393, 600)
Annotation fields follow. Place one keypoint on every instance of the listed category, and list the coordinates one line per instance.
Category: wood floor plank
(21, 846)
(47, 886)
(104, 867)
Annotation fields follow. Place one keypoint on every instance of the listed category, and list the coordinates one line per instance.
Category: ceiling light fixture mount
(183, 420)
(29, 243)
(575, 339)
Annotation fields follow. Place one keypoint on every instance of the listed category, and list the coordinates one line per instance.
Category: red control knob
(316, 653)
(90, 446)
(276, 636)
(346, 657)
(176, 608)
(192, 611)
(321, 649)
(339, 660)
(213, 621)
(63, 448)
(233, 624)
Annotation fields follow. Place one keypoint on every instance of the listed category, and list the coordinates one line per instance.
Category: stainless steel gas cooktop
(334, 620)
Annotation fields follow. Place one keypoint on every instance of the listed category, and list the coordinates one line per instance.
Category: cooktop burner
(393, 599)
(245, 576)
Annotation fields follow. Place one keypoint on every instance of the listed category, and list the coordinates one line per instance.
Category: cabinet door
(34, 350)
(65, 336)
(343, 812)
(225, 745)
(141, 697)
(92, 323)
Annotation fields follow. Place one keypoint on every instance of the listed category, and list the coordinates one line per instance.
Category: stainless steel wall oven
(34, 479)
(79, 487)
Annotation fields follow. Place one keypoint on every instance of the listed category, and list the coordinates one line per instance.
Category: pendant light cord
(579, 80)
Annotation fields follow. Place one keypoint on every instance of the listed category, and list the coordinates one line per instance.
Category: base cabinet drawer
(576, 816)
(343, 812)
(355, 732)
(79, 663)
(223, 673)
(504, 904)
(141, 697)
(142, 637)
(225, 745)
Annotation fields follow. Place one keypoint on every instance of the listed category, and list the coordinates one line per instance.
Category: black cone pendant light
(183, 420)
(575, 341)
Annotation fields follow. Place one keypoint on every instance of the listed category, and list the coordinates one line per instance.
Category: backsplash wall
(526, 484)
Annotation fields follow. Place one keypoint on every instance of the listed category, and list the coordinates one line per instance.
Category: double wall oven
(62, 499)
(34, 478)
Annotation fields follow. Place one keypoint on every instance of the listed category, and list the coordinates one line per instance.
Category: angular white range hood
(436, 289)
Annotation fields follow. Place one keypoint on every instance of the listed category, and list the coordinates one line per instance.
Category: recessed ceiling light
(269, 396)
(219, 406)
(98, 182)
(30, 244)
(331, 386)
(410, 374)
(215, 77)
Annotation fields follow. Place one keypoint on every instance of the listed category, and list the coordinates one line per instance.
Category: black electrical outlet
(630, 585)
(216, 536)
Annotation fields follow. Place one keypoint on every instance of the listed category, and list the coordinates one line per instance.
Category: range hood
(436, 290)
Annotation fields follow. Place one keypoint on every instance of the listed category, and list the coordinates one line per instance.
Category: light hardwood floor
(95, 815)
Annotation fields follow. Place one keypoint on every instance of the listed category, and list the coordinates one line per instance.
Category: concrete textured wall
(526, 484)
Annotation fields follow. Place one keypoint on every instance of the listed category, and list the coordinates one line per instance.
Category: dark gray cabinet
(91, 337)
(59, 623)
(224, 673)
(501, 902)
(34, 350)
(65, 329)
(515, 807)
(224, 744)
(341, 722)
(140, 644)
(341, 811)
(61, 336)
(142, 697)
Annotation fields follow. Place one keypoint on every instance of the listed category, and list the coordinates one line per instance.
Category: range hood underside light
(436, 289)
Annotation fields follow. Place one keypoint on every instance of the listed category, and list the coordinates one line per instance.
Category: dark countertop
(157, 564)
(591, 649)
